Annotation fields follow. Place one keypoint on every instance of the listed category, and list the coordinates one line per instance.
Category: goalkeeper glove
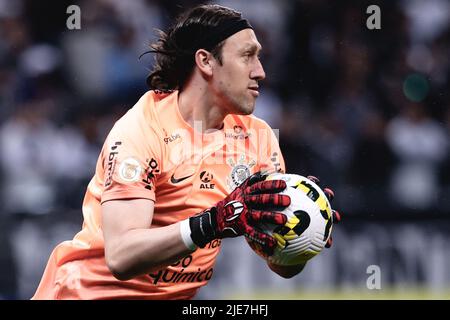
(250, 203)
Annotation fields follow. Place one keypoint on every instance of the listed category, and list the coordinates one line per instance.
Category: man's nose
(257, 72)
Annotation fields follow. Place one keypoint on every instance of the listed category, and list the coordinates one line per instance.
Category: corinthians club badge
(239, 172)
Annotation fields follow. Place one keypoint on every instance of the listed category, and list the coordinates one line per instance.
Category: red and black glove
(253, 202)
(336, 217)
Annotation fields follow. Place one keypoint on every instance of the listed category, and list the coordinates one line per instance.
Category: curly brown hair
(175, 49)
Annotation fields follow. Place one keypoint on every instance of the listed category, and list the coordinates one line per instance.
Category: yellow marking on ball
(321, 201)
(323, 205)
(302, 187)
(291, 235)
(292, 222)
(281, 242)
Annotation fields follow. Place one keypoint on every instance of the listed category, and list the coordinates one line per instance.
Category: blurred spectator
(86, 50)
(294, 139)
(270, 108)
(420, 144)
(34, 155)
(444, 170)
(371, 168)
(428, 18)
(26, 162)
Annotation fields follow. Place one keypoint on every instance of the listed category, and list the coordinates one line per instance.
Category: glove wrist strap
(203, 227)
(185, 231)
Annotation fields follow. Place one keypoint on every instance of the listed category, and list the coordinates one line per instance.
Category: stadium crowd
(367, 111)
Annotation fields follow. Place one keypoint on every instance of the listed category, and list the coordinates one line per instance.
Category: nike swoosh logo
(175, 180)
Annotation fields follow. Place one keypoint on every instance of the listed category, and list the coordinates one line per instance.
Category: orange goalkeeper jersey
(152, 153)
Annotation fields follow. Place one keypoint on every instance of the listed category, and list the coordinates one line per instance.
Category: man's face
(235, 82)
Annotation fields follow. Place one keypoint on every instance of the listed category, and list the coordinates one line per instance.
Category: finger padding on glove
(329, 193)
(270, 186)
(329, 243)
(336, 217)
(271, 201)
(266, 242)
(257, 216)
(314, 179)
(254, 178)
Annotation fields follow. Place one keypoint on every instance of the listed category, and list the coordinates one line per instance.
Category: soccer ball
(309, 222)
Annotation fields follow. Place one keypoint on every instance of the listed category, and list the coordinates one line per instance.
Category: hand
(336, 216)
(250, 203)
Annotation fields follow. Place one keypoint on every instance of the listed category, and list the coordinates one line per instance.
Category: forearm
(141, 251)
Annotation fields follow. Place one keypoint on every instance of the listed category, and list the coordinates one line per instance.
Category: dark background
(367, 111)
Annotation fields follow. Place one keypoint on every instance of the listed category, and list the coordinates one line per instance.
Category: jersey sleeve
(271, 159)
(131, 160)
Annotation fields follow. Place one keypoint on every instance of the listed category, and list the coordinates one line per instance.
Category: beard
(241, 104)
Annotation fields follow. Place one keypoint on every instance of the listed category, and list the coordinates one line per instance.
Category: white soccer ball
(309, 222)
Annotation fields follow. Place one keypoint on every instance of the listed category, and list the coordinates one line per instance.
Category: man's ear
(203, 60)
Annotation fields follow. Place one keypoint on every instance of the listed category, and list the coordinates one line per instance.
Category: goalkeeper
(178, 172)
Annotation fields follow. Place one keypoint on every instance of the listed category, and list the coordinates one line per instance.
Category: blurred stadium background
(367, 111)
